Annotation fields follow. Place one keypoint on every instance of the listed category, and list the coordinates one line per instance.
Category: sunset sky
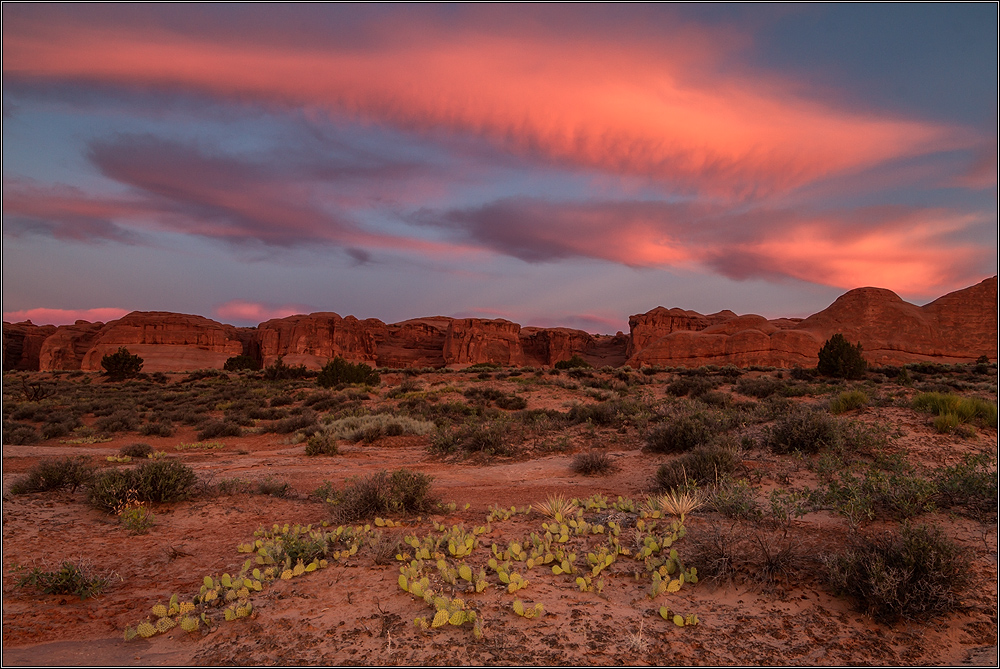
(552, 165)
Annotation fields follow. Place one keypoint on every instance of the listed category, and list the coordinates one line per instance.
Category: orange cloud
(257, 312)
(633, 107)
(43, 316)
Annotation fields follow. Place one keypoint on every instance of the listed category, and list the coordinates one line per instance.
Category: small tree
(339, 371)
(238, 362)
(121, 365)
(840, 359)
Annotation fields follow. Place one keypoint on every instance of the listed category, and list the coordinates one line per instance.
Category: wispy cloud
(246, 312)
(64, 316)
(645, 107)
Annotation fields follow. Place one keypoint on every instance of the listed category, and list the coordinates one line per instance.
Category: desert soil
(353, 612)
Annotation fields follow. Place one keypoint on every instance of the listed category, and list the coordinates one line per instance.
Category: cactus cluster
(526, 612)
(167, 616)
(678, 619)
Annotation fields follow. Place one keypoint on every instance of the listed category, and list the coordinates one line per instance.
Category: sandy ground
(353, 612)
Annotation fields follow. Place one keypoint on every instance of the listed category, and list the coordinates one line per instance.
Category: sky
(551, 165)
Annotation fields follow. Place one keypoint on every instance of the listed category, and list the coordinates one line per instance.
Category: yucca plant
(557, 506)
(678, 503)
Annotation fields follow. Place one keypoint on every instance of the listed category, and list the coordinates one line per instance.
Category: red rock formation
(68, 345)
(414, 343)
(472, 340)
(22, 343)
(166, 341)
(659, 322)
(958, 327)
(315, 339)
(547, 346)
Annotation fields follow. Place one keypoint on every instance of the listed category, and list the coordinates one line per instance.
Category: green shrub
(121, 365)
(594, 463)
(321, 443)
(761, 386)
(160, 429)
(704, 465)
(838, 358)
(124, 420)
(575, 362)
(694, 386)
(374, 426)
(241, 362)
(70, 580)
(339, 371)
(916, 574)
(804, 431)
(679, 435)
(135, 450)
(274, 487)
(69, 472)
(971, 484)
(402, 491)
(18, 434)
(151, 481)
(163, 481)
(900, 495)
(612, 413)
(735, 499)
(964, 409)
(214, 429)
(279, 371)
(848, 401)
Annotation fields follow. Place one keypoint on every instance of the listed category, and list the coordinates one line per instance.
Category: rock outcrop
(22, 344)
(958, 327)
(314, 339)
(68, 346)
(166, 341)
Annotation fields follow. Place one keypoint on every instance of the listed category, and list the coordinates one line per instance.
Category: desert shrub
(241, 362)
(119, 421)
(27, 411)
(54, 430)
(219, 428)
(512, 402)
(691, 385)
(70, 472)
(407, 386)
(735, 499)
(483, 366)
(374, 426)
(915, 574)
(972, 484)
(804, 431)
(339, 371)
(593, 463)
(402, 491)
(321, 443)
(304, 421)
(848, 401)
(899, 495)
(163, 481)
(274, 487)
(704, 465)
(284, 400)
(135, 450)
(841, 359)
(611, 413)
(19, 434)
(152, 481)
(573, 363)
(159, 429)
(69, 580)
(803, 374)
(487, 437)
(761, 386)
(679, 435)
(483, 395)
(279, 371)
(121, 365)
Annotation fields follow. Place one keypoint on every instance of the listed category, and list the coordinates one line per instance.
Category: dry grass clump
(594, 463)
(678, 503)
(372, 427)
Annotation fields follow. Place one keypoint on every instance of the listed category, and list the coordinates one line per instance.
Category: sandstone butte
(958, 327)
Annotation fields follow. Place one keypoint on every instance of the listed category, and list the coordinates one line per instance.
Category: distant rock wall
(958, 327)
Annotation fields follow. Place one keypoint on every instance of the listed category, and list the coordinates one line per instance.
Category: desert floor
(762, 597)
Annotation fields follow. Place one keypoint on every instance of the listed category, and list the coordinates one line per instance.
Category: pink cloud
(635, 106)
(257, 312)
(42, 316)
